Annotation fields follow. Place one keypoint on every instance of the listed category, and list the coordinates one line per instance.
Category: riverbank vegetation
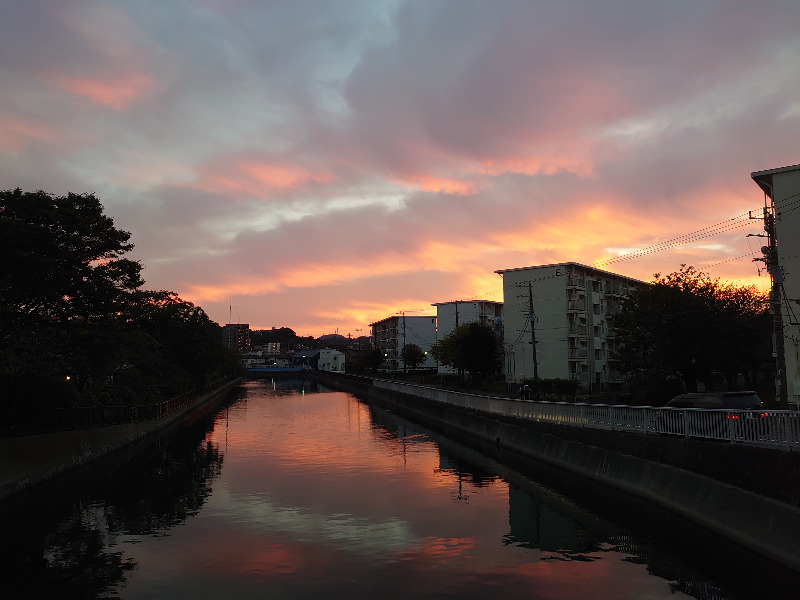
(76, 326)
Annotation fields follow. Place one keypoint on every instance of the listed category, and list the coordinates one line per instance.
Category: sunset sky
(321, 165)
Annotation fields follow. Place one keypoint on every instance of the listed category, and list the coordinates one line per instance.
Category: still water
(294, 491)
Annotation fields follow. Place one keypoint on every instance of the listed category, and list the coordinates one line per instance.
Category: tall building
(558, 322)
(391, 334)
(236, 336)
(782, 189)
(451, 314)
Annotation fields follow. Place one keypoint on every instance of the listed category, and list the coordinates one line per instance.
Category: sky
(325, 164)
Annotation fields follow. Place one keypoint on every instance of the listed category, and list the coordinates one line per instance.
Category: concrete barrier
(767, 525)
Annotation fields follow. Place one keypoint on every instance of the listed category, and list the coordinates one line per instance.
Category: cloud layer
(324, 165)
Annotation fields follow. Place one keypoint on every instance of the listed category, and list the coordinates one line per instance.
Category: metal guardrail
(766, 428)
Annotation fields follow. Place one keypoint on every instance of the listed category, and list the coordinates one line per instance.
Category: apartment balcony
(577, 329)
(576, 306)
(578, 353)
(576, 282)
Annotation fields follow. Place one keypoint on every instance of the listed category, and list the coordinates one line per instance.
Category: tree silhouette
(686, 328)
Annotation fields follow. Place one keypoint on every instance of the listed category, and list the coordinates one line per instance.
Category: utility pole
(404, 342)
(776, 273)
(532, 317)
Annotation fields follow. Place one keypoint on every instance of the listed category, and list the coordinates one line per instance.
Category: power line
(725, 226)
(721, 227)
(750, 255)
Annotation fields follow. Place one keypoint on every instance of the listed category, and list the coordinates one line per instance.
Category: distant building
(253, 360)
(451, 314)
(307, 359)
(280, 361)
(236, 336)
(331, 361)
(271, 348)
(782, 186)
(569, 309)
(391, 334)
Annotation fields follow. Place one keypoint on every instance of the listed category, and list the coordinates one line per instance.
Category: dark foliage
(471, 347)
(687, 328)
(412, 356)
(75, 327)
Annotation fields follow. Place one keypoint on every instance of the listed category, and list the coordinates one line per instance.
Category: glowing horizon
(321, 173)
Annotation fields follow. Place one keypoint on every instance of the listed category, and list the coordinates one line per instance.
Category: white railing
(767, 428)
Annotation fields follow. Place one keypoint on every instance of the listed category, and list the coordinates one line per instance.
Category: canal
(295, 491)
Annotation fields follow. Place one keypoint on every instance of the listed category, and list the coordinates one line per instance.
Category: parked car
(725, 400)
(745, 408)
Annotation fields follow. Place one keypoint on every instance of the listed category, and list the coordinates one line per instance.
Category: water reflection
(66, 534)
(296, 491)
(557, 515)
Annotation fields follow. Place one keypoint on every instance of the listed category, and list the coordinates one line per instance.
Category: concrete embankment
(749, 495)
(29, 460)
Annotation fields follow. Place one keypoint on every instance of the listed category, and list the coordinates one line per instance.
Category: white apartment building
(566, 313)
(782, 187)
(451, 314)
(331, 361)
(391, 334)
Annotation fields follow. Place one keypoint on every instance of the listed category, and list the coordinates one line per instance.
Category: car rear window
(741, 401)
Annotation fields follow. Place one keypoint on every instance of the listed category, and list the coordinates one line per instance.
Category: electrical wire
(730, 260)
(725, 226)
(736, 222)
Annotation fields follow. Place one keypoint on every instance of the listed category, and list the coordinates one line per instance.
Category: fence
(767, 428)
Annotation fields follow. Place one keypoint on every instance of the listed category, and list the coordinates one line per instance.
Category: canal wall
(749, 495)
(29, 460)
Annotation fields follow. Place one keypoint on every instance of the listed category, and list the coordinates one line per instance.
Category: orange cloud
(117, 93)
(259, 178)
(433, 184)
(16, 133)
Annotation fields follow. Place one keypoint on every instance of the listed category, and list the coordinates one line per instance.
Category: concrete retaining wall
(32, 459)
(767, 525)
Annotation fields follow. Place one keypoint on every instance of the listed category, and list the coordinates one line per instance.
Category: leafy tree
(471, 347)
(687, 327)
(412, 356)
(62, 259)
(185, 342)
(64, 291)
(372, 359)
(75, 327)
